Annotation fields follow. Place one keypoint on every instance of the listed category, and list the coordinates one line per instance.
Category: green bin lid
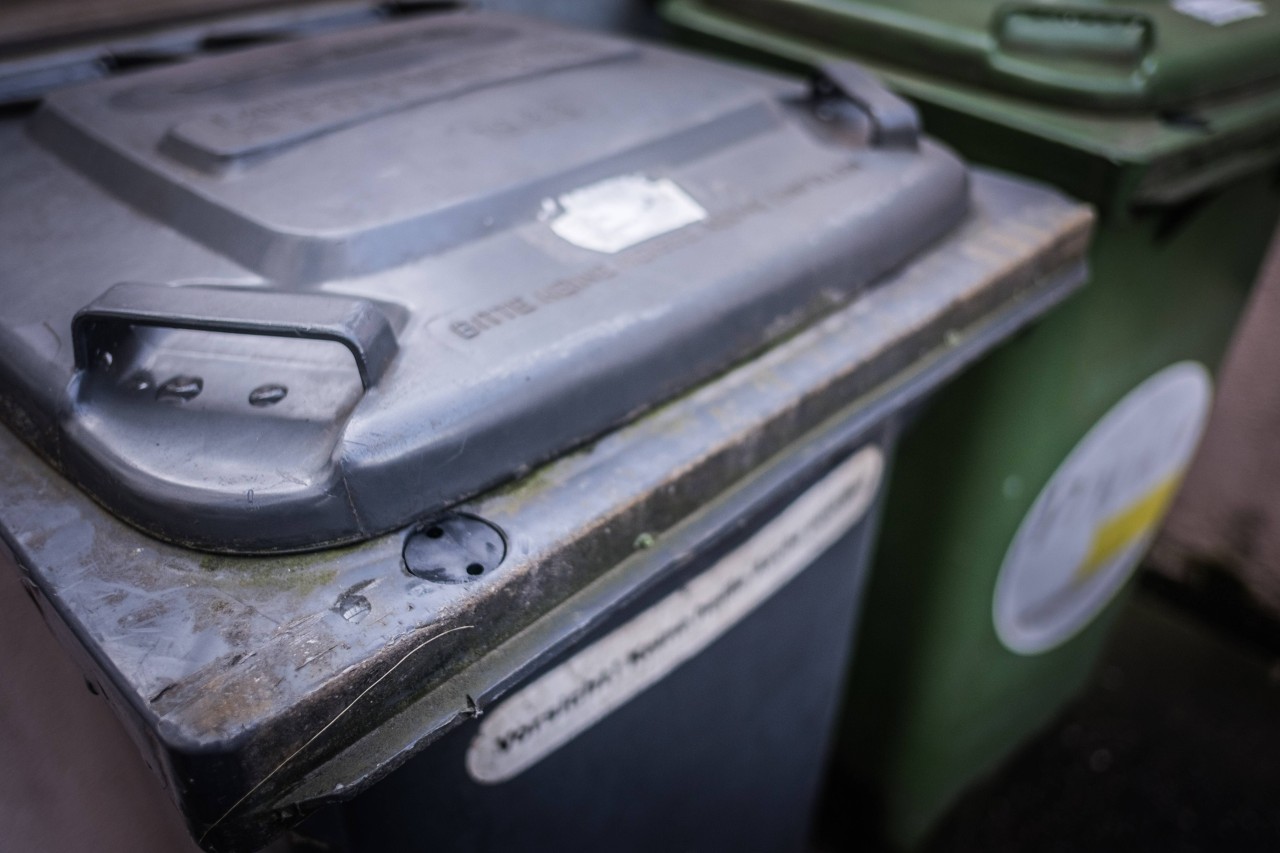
(1104, 55)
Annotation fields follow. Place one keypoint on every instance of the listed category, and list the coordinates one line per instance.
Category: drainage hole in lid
(180, 388)
(267, 395)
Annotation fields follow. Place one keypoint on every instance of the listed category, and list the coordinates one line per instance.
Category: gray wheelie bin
(477, 427)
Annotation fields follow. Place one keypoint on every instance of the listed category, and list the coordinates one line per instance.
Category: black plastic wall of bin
(724, 753)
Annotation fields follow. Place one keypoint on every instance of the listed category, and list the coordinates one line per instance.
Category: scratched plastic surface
(225, 666)
(462, 244)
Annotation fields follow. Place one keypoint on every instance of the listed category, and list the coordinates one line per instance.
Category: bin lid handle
(361, 325)
(896, 123)
(1074, 29)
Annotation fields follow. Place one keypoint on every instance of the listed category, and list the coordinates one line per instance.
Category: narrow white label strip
(617, 213)
(567, 700)
(1220, 12)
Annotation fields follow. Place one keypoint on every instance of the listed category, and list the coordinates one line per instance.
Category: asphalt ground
(1174, 746)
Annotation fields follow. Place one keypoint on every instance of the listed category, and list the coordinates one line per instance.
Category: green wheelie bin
(1029, 490)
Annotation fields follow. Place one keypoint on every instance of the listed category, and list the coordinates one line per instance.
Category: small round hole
(267, 395)
(434, 532)
(475, 569)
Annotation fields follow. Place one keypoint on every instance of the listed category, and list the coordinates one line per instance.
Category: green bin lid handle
(1074, 29)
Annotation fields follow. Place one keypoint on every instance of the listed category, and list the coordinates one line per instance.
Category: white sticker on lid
(1220, 12)
(565, 701)
(618, 213)
(1096, 516)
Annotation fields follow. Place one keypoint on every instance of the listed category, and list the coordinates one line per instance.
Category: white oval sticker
(570, 698)
(1095, 518)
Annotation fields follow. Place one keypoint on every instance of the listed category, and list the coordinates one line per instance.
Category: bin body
(1185, 180)
(723, 752)
(345, 476)
(995, 438)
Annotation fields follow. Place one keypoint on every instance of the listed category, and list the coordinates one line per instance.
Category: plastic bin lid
(307, 293)
(1102, 54)
(24, 23)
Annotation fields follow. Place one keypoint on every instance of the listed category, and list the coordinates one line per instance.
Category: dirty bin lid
(1102, 55)
(306, 293)
(25, 24)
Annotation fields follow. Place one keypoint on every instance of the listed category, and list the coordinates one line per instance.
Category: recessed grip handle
(1074, 29)
(896, 123)
(358, 324)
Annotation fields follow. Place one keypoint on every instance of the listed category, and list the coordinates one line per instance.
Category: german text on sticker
(618, 213)
(575, 695)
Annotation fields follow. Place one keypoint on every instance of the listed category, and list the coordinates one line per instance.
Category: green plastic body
(1098, 55)
(1188, 203)
(1123, 158)
(935, 699)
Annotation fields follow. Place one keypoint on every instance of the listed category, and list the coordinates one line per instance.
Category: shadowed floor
(1175, 746)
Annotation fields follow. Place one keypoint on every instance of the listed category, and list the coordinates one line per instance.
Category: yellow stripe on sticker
(1125, 527)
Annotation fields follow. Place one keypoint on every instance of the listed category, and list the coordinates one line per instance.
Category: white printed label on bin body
(567, 700)
(1095, 518)
(620, 212)
(1220, 12)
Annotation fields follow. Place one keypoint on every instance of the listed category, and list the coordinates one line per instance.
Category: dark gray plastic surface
(417, 174)
(726, 753)
(233, 672)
